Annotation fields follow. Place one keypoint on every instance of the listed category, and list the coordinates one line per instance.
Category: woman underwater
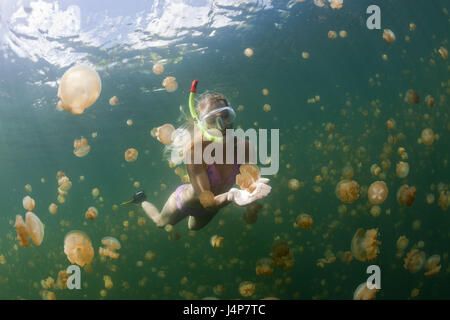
(215, 116)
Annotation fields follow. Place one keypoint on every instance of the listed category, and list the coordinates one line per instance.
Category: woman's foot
(138, 198)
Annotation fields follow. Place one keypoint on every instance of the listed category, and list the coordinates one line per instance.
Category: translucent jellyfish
(81, 147)
(158, 68)
(78, 248)
(265, 92)
(35, 228)
(246, 288)
(412, 26)
(414, 261)
(402, 169)
(170, 83)
(347, 191)
(365, 244)
(304, 221)
(375, 169)
(444, 200)
(22, 232)
(111, 244)
(281, 255)
(336, 4)
(348, 172)
(267, 107)
(305, 55)
(250, 214)
(207, 199)
(332, 34)
(131, 155)
(411, 97)
(28, 203)
(402, 243)
(79, 88)
(53, 208)
(28, 188)
(113, 100)
(388, 36)
(427, 137)
(375, 211)
(248, 52)
(345, 256)
(432, 265)
(149, 255)
(95, 192)
(164, 133)
(443, 52)
(362, 292)
(384, 57)
(319, 3)
(249, 174)
(216, 241)
(406, 195)
(343, 34)
(129, 122)
(264, 267)
(91, 213)
(429, 100)
(294, 184)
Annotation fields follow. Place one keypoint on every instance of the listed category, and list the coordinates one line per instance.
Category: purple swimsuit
(215, 180)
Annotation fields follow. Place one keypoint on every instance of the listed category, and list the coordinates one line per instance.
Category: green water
(36, 141)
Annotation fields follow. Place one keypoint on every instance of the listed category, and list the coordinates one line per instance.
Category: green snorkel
(194, 115)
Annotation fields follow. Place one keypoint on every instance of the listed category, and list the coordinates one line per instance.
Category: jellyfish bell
(402, 169)
(429, 100)
(377, 192)
(78, 248)
(113, 100)
(427, 136)
(414, 261)
(249, 174)
(264, 267)
(131, 155)
(158, 68)
(28, 203)
(81, 147)
(388, 36)
(22, 232)
(411, 97)
(443, 53)
(362, 292)
(248, 52)
(406, 195)
(246, 288)
(35, 228)
(431, 265)
(347, 191)
(304, 221)
(79, 88)
(364, 244)
(170, 83)
(332, 34)
(164, 133)
(91, 213)
(111, 243)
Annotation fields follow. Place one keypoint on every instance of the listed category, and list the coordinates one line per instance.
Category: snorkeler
(215, 117)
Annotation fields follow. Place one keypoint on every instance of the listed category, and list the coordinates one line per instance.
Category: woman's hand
(243, 197)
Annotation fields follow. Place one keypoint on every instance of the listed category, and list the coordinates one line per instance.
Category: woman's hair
(183, 137)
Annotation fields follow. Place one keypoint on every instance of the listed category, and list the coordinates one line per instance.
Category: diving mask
(220, 118)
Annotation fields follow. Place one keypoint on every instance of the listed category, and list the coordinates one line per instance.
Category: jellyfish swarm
(432, 265)
(347, 191)
(164, 133)
(79, 88)
(282, 256)
(304, 221)
(78, 248)
(31, 228)
(131, 155)
(264, 267)
(170, 83)
(111, 245)
(362, 292)
(249, 174)
(406, 195)
(81, 147)
(250, 214)
(377, 192)
(414, 261)
(365, 244)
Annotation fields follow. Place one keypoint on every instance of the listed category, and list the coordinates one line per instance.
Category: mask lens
(222, 117)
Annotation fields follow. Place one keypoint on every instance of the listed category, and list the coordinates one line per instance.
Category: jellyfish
(249, 174)
(336, 4)
(281, 255)
(246, 288)
(348, 172)
(91, 213)
(149, 255)
(305, 55)
(414, 261)
(432, 265)
(216, 241)
(53, 208)
(22, 233)
(95, 192)
(427, 137)
(170, 83)
(207, 199)
(362, 292)
(377, 192)
(164, 133)
(332, 34)
(129, 122)
(406, 195)
(28, 188)
(35, 228)
(319, 3)
(78, 248)
(388, 36)
(79, 88)
(365, 244)
(343, 34)
(402, 243)
(411, 97)
(402, 169)
(267, 107)
(304, 221)
(265, 92)
(347, 191)
(444, 200)
(28, 203)
(429, 100)
(131, 155)
(248, 52)
(113, 100)
(264, 267)
(345, 256)
(250, 214)
(81, 147)
(158, 68)
(294, 184)
(108, 282)
(111, 245)
(443, 52)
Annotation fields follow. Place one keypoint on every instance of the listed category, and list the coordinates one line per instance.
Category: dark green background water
(36, 141)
